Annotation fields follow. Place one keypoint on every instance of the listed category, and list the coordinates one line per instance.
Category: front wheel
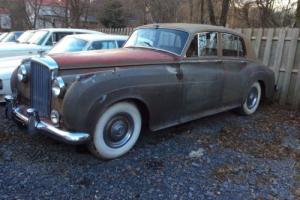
(252, 101)
(116, 131)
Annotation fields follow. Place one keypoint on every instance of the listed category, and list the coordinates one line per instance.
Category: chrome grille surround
(43, 69)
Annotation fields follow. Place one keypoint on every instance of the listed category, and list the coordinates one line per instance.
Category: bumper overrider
(34, 124)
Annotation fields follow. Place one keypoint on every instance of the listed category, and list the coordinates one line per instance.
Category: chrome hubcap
(118, 130)
(252, 98)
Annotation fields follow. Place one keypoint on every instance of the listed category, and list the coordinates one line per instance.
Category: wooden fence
(277, 48)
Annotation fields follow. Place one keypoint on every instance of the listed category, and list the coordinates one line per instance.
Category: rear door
(234, 61)
(202, 75)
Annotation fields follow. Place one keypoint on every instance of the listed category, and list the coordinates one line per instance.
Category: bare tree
(298, 14)
(191, 5)
(201, 11)
(211, 12)
(266, 8)
(33, 10)
(224, 12)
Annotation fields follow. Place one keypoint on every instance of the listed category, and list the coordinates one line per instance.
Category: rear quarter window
(233, 46)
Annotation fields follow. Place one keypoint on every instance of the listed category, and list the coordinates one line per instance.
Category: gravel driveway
(225, 156)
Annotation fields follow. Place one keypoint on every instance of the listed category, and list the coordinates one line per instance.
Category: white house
(5, 20)
(47, 14)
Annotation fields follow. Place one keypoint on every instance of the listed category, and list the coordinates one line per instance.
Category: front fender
(94, 95)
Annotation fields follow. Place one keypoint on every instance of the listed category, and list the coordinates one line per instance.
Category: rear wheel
(252, 101)
(116, 131)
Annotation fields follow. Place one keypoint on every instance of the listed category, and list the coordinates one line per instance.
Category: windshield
(3, 36)
(38, 37)
(159, 38)
(69, 44)
(25, 37)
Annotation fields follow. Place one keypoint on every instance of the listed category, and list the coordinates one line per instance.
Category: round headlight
(22, 73)
(54, 117)
(58, 87)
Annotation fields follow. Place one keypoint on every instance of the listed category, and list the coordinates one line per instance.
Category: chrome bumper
(34, 124)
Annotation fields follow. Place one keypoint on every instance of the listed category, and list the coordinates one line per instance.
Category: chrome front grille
(40, 83)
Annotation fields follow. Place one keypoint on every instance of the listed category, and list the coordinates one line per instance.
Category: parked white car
(88, 42)
(42, 40)
(69, 44)
(24, 38)
(2, 36)
(12, 36)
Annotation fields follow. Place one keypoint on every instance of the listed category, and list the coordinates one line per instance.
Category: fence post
(296, 97)
(258, 41)
(248, 33)
(278, 54)
(289, 67)
(267, 52)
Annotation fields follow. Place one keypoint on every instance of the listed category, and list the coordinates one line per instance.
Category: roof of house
(4, 10)
(53, 2)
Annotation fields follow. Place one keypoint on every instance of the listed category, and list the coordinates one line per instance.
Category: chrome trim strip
(44, 127)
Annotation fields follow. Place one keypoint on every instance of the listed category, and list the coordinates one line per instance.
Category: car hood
(14, 61)
(112, 58)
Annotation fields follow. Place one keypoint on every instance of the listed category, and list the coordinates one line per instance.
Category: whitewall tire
(252, 100)
(116, 131)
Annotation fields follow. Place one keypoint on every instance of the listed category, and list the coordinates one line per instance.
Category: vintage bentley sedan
(165, 75)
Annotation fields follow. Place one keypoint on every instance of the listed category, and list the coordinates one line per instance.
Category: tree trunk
(191, 5)
(202, 12)
(224, 14)
(211, 12)
(66, 10)
(298, 14)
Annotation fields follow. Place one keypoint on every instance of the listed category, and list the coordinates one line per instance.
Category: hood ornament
(42, 53)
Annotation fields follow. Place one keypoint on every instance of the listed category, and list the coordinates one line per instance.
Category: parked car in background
(12, 36)
(25, 37)
(88, 42)
(2, 36)
(69, 44)
(165, 75)
(42, 40)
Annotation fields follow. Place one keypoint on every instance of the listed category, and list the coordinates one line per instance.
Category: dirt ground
(225, 156)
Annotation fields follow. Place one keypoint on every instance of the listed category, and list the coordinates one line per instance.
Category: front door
(203, 76)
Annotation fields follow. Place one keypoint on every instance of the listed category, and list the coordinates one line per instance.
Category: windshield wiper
(148, 44)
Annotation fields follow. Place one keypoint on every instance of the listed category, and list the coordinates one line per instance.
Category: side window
(208, 44)
(56, 37)
(230, 45)
(204, 44)
(59, 35)
(233, 45)
(193, 49)
(120, 43)
(103, 45)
